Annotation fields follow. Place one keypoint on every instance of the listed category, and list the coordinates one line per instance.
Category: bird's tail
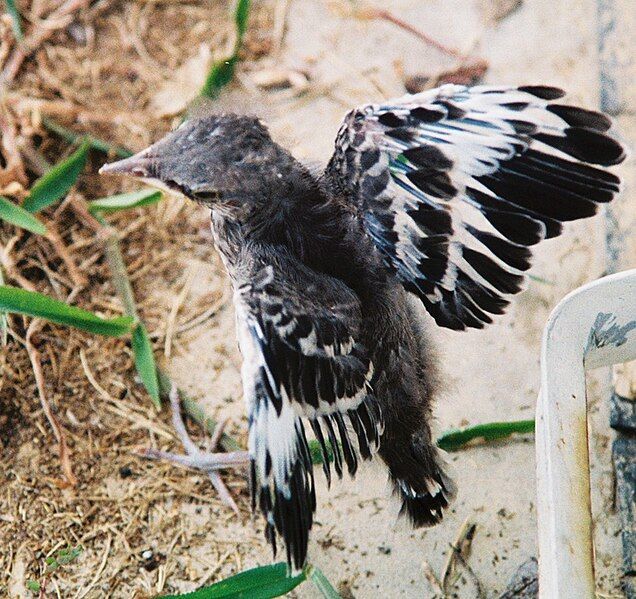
(421, 483)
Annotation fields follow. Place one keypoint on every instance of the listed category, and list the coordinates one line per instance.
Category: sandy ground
(491, 374)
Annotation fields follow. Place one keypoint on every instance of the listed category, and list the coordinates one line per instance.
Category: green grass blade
(455, 439)
(16, 24)
(142, 348)
(20, 301)
(55, 184)
(222, 71)
(322, 583)
(145, 362)
(315, 451)
(94, 142)
(18, 216)
(541, 280)
(220, 75)
(241, 16)
(125, 201)
(264, 582)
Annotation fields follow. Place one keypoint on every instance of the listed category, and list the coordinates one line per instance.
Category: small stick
(432, 579)
(81, 211)
(462, 560)
(34, 159)
(14, 165)
(176, 306)
(9, 265)
(58, 19)
(280, 24)
(34, 356)
(177, 422)
(194, 322)
(385, 15)
(459, 549)
(77, 276)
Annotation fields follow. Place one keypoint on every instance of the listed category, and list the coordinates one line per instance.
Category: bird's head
(222, 161)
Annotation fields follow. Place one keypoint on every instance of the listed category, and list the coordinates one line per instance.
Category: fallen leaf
(494, 11)
(416, 83)
(469, 73)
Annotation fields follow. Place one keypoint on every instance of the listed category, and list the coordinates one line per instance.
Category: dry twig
(385, 15)
(176, 305)
(14, 169)
(34, 356)
(77, 276)
(6, 260)
(460, 551)
(61, 17)
(280, 23)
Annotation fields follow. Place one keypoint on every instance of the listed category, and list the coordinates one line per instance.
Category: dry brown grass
(97, 71)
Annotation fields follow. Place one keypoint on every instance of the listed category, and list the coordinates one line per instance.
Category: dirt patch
(144, 527)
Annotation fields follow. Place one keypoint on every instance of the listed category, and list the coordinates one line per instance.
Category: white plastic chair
(591, 327)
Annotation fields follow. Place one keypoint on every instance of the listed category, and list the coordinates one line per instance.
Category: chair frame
(592, 327)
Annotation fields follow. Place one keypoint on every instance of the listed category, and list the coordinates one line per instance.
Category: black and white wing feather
(298, 334)
(455, 184)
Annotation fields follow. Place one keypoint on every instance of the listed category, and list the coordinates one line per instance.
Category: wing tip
(544, 92)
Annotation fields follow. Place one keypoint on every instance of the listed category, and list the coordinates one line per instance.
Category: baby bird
(433, 199)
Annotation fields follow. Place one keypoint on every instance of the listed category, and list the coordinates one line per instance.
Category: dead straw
(34, 356)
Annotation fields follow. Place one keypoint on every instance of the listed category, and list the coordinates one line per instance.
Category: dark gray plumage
(439, 195)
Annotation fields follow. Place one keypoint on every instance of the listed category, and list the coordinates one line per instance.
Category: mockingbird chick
(437, 196)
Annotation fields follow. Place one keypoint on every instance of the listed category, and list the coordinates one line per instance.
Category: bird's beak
(135, 166)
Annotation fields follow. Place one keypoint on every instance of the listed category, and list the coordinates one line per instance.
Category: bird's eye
(178, 187)
(207, 195)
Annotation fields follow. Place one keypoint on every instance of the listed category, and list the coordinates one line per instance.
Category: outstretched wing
(298, 333)
(455, 184)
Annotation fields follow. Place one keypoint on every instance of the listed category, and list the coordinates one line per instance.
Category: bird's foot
(208, 462)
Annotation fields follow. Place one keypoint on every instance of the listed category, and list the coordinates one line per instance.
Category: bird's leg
(208, 462)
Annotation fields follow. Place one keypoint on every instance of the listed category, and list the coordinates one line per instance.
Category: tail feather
(417, 471)
(424, 502)
(367, 424)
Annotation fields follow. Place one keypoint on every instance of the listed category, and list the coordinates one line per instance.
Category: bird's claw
(207, 462)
